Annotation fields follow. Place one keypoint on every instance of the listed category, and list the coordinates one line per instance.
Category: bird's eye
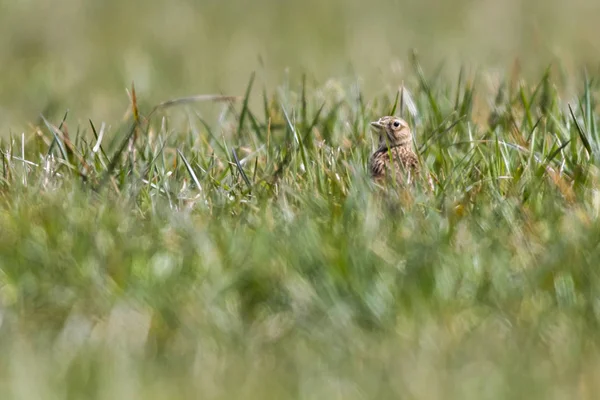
(396, 124)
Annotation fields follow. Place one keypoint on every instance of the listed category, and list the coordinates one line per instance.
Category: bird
(394, 157)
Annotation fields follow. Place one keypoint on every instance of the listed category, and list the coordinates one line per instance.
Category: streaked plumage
(395, 155)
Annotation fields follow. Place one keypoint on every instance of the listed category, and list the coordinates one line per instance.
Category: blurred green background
(81, 55)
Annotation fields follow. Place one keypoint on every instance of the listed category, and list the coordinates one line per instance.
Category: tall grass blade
(241, 169)
(190, 170)
(582, 134)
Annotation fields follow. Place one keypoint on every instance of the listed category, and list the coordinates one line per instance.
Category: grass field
(222, 248)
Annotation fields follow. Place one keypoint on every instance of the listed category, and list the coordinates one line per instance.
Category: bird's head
(393, 131)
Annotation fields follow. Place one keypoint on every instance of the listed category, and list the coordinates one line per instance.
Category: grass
(171, 257)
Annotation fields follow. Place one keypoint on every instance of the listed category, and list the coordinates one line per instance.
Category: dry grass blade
(136, 120)
(134, 105)
(194, 99)
(99, 136)
(66, 147)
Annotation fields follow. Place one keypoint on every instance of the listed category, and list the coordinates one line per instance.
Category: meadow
(178, 221)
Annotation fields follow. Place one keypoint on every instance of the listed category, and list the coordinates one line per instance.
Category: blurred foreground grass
(252, 258)
(238, 249)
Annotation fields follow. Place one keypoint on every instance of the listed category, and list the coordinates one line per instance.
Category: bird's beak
(377, 125)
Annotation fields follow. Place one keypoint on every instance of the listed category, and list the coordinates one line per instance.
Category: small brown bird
(394, 156)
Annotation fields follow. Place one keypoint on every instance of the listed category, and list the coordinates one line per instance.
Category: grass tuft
(252, 257)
